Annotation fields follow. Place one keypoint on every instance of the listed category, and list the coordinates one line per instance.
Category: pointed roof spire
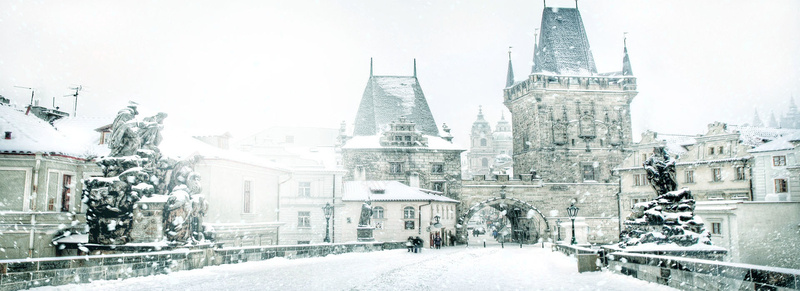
(626, 61)
(415, 67)
(370, 67)
(535, 50)
(502, 115)
(480, 111)
(772, 121)
(510, 74)
(757, 120)
(563, 45)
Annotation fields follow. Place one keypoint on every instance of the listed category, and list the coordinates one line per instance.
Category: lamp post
(558, 229)
(328, 210)
(572, 211)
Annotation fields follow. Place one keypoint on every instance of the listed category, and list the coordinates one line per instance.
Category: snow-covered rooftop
(373, 142)
(388, 191)
(782, 143)
(29, 134)
(563, 47)
(386, 99)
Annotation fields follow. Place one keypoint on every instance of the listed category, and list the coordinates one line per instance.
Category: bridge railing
(53, 271)
(688, 273)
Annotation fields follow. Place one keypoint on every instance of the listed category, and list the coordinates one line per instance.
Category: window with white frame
(437, 168)
(304, 189)
(688, 176)
(779, 161)
(396, 168)
(303, 219)
(408, 212)
(438, 186)
(740, 174)
(716, 174)
(377, 212)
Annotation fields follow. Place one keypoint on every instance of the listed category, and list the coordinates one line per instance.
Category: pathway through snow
(450, 268)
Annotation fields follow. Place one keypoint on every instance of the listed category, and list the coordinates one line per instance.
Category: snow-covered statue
(150, 132)
(366, 213)
(135, 169)
(660, 168)
(125, 140)
(182, 221)
(668, 219)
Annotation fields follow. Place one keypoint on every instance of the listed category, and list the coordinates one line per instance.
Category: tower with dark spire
(626, 61)
(570, 123)
(510, 74)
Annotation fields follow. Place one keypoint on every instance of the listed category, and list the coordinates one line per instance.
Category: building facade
(398, 212)
(490, 150)
(776, 170)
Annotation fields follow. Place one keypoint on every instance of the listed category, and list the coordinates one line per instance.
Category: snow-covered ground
(450, 268)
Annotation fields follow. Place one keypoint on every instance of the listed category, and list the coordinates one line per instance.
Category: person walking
(437, 242)
(418, 244)
(410, 244)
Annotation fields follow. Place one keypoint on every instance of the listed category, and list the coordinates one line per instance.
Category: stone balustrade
(53, 271)
(696, 274)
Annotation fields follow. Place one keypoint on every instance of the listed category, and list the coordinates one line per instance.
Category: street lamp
(558, 229)
(572, 211)
(328, 210)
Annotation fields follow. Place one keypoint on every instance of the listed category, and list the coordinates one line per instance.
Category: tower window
(483, 142)
(484, 162)
(395, 168)
(588, 173)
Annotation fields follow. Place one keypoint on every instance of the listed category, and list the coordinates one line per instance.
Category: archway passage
(526, 224)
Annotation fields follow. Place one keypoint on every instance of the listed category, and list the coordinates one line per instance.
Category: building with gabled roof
(40, 170)
(387, 98)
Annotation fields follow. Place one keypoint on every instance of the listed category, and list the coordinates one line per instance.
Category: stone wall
(375, 164)
(597, 202)
(55, 271)
(696, 274)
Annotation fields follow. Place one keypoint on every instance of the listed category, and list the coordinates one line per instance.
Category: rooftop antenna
(415, 67)
(77, 91)
(29, 88)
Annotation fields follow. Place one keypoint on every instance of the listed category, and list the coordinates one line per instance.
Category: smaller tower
(626, 61)
(510, 75)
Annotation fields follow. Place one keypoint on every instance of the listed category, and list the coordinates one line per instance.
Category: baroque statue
(135, 169)
(366, 213)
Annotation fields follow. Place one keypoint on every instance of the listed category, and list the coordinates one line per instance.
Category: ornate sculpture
(660, 168)
(366, 213)
(134, 169)
(670, 217)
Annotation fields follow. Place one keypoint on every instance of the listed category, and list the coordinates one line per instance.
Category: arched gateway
(528, 224)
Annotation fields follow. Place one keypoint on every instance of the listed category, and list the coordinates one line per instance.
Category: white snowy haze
(240, 66)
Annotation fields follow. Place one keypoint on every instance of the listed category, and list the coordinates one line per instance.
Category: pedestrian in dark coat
(418, 244)
(437, 242)
(410, 244)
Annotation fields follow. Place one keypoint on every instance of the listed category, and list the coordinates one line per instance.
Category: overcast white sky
(240, 66)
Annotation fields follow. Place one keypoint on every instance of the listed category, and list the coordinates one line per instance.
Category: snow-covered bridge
(449, 268)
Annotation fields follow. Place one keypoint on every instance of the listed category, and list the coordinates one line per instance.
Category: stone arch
(496, 202)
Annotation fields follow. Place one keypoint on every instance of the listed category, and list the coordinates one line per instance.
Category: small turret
(626, 61)
(510, 75)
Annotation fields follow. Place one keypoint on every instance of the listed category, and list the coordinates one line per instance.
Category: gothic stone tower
(395, 138)
(570, 124)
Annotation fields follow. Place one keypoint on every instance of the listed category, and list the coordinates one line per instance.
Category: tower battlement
(538, 81)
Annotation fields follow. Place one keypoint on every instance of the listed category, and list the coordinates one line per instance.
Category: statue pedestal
(365, 233)
(148, 219)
